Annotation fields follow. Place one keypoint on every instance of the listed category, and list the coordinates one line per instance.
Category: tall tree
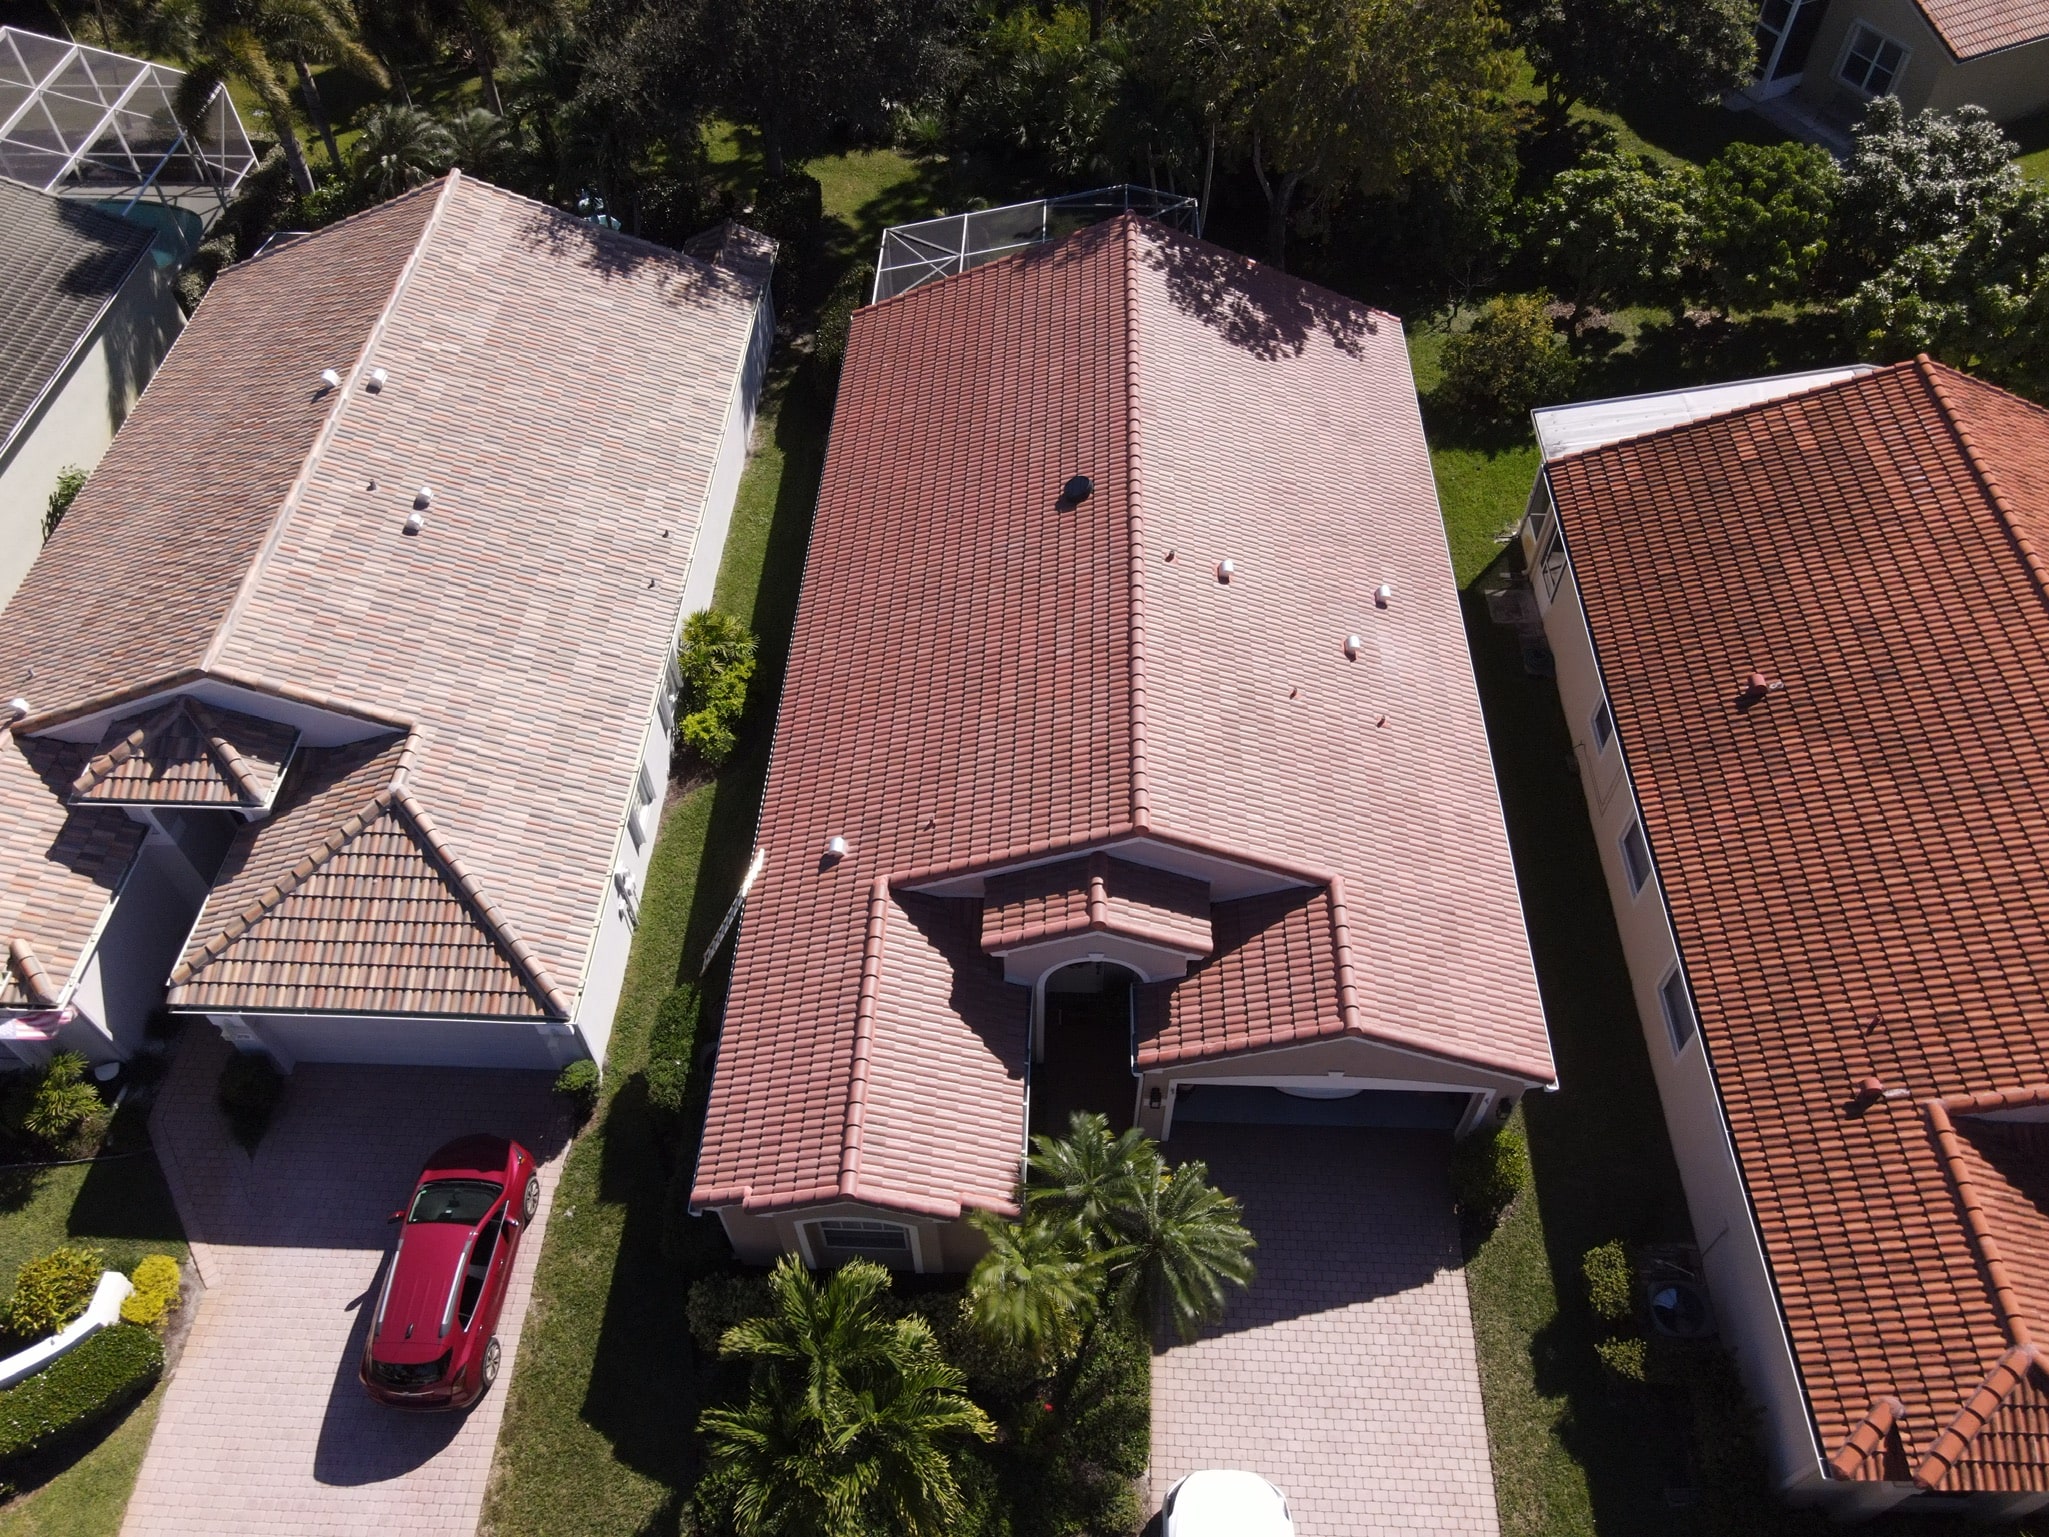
(1327, 96)
(795, 70)
(1180, 1245)
(1037, 1287)
(851, 1420)
(486, 31)
(1619, 53)
(399, 147)
(252, 41)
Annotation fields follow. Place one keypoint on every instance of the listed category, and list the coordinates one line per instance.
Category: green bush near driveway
(79, 1390)
(51, 1290)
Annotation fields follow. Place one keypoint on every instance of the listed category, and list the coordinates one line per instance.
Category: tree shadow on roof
(1267, 313)
(681, 281)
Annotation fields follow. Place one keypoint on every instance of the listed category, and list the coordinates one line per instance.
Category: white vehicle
(1220, 1502)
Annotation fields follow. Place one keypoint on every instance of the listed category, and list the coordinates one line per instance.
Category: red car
(432, 1343)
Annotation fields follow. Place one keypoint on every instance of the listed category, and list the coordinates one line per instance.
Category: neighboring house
(87, 313)
(1803, 648)
(1151, 738)
(345, 702)
(1836, 55)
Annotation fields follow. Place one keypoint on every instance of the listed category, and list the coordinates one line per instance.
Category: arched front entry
(1081, 1044)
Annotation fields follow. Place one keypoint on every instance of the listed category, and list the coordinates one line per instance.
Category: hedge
(52, 1289)
(669, 1050)
(157, 1280)
(79, 1391)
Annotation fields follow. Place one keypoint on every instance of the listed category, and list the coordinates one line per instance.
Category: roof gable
(1970, 28)
(186, 753)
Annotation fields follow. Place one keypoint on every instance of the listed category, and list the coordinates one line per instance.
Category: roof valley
(342, 395)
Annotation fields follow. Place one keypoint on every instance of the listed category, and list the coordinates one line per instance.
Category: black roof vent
(1078, 489)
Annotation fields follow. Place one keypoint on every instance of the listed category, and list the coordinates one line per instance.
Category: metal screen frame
(78, 121)
(915, 254)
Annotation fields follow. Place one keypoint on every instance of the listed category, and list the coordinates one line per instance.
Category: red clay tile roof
(1969, 28)
(983, 675)
(564, 391)
(187, 753)
(1095, 895)
(346, 901)
(1857, 867)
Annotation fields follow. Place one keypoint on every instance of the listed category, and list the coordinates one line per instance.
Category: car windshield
(454, 1200)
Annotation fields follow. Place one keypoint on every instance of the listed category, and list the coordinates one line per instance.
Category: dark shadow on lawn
(1602, 1162)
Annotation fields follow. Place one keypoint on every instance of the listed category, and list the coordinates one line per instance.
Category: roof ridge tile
(35, 981)
(1134, 481)
(2007, 1373)
(1931, 374)
(864, 1033)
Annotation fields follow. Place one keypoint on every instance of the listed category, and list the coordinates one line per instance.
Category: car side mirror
(397, 1216)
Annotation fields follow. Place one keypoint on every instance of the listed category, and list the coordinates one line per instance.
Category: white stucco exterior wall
(77, 420)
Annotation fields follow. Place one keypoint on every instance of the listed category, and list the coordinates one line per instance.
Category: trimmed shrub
(836, 316)
(1611, 1290)
(156, 1280)
(52, 1289)
(70, 481)
(1511, 360)
(55, 1107)
(1624, 1357)
(716, 662)
(578, 1083)
(717, 1302)
(1488, 1171)
(250, 1089)
(669, 1052)
(79, 1390)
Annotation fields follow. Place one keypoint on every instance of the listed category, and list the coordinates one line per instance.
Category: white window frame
(816, 1252)
(637, 819)
(1604, 736)
(665, 697)
(1681, 1030)
(1629, 865)
(1881, 41)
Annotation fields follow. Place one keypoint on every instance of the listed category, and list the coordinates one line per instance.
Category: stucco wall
(1745, 1301)
(123, 978)
(75, 423)
(2010, 85)
(936, 1246)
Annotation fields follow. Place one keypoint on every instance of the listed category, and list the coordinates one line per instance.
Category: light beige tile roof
(187, 753)
(348, 901)
(564, 392)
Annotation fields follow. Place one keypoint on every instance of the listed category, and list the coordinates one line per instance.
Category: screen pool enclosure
(937, 248)
(82, 122)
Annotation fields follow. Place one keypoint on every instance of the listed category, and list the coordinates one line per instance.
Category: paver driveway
(264, 1427)
(1346, 1375)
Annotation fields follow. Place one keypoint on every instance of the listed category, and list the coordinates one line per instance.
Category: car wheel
(533, 1198)
(489, 1374)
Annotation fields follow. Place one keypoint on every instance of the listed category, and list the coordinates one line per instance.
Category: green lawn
(2032, 134)
(89, 1498)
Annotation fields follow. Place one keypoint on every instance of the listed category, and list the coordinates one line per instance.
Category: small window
(1551, 558)
(1873, 62)
(1679, 1021)
(1636, 857)
(1603, 725)
(640, 822)
(847, 1238)
(665, 699)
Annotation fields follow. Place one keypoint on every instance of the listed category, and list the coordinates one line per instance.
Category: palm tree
(247, 39)
(1180, 1243)
(477, 140)
(1088, 1174)
(850, 1419)
(400, 147)
(1037, 1288)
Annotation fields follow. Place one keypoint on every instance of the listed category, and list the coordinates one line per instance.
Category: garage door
(1411, 1110)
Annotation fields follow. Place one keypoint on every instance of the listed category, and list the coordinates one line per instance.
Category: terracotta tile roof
(1969, 28)
(1274, 980)
(59, 868)
(347, 901)
(984, 674)
(564, 392)
(65, 261)
(1857, 866)
(187, 753)
(1095, 895)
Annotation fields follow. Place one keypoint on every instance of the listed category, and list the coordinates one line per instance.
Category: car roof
(1228, 1502)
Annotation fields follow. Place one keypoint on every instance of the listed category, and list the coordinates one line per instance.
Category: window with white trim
(1872, 62)
(1548, 541)
(640, 822)
(1636, 856)
(1602, 724)
(665, 699)
(843, 1238)
(1678, 1006)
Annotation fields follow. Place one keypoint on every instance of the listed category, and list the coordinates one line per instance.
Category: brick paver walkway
(1346, 1375)
(264, 1427)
